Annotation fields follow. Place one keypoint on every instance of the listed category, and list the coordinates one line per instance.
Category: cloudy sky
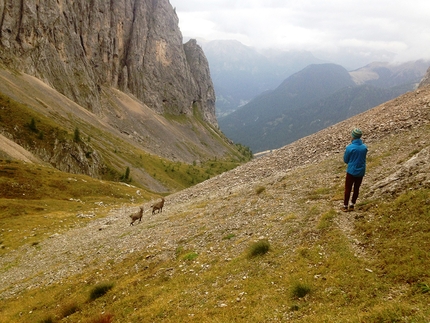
(386, 30)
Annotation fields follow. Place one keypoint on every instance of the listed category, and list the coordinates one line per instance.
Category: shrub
(259, 248)
(300, 290)
(99, 290)
(126, 176)
(32, 126)
(77, 135)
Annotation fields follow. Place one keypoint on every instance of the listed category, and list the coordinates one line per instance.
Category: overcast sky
(385, 30)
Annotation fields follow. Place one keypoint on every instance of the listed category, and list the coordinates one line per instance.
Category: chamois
(158, 206)
(136, 216)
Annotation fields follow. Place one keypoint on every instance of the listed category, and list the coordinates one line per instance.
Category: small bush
(99, 290)
(126, 176)
(32, 126)
(300, 290)
(77, 135)
(259, 248)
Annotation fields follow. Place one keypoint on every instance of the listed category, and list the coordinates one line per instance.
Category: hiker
(355, 157)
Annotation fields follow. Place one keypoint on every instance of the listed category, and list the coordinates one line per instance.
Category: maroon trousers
(351, 181)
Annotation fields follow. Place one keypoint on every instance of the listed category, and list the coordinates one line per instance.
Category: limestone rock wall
(201, 74)
(132, 45)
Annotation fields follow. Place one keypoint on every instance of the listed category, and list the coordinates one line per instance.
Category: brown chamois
(158, 206)
(136, 216)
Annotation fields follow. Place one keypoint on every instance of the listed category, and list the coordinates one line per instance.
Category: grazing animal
(158, 206)
(136, 216)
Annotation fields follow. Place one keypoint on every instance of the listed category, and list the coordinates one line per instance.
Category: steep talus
(397, 134)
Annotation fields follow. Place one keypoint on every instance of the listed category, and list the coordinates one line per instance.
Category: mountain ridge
(303, 104)
(240, 73)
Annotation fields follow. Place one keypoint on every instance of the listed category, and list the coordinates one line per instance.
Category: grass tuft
(300, 290)
(229, 236)
(424, 288)
(100, 290)
(190, 256)
(260, 189)
(69, 308)
(259, 248)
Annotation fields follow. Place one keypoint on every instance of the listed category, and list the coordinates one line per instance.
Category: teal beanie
(356, 133)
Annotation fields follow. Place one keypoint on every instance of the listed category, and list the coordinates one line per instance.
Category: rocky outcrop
(75, 158)
(426, 79)
(201, 74)
(413, 174)
(132, 45)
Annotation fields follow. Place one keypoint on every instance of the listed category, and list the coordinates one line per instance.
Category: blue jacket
(355, 157)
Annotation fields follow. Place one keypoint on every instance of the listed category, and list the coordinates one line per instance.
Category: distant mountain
(339, 106)
(386, 75)
(306, 102)
(240, 73)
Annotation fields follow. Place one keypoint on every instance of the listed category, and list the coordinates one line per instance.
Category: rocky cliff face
(200, 71)
(80, 47)
(426, 79)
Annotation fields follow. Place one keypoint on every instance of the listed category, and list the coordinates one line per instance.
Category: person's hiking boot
(345, 208)
(351, 207)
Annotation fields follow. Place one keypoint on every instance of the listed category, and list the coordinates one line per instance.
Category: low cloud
(397, 30)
